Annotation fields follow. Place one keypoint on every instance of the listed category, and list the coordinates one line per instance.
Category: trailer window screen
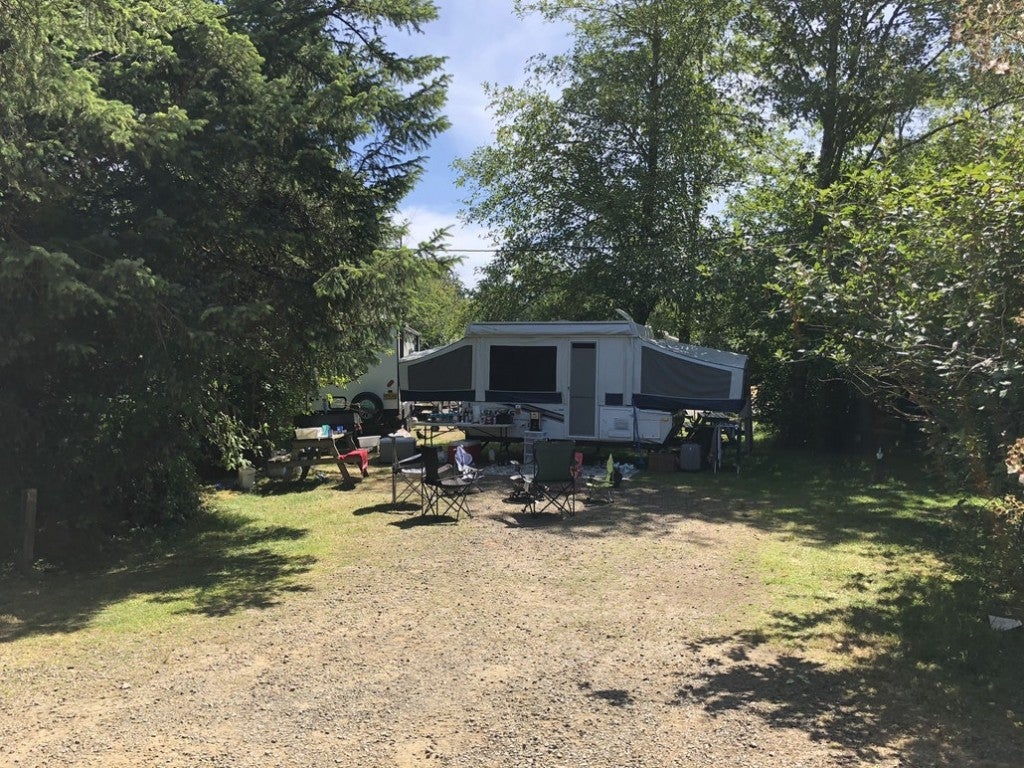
(450, 371)
(523, 369)
(671, 376)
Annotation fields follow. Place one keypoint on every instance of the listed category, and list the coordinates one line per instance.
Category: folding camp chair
(443, 492)
(600, 488)
(520, 479)
(555, 478)
(407, 480)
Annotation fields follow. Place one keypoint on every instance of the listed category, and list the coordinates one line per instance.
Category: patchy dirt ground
(619, 637)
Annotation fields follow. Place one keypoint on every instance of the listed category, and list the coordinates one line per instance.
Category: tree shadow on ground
(945, 690)
(298, 485)
(926, 672)
(616, 697)
(417, 521)
(401, 508)
(546, 520)
(309, 483)
(822, 498)
(215, 565)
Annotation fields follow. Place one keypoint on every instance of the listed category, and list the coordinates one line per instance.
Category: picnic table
(339, 448)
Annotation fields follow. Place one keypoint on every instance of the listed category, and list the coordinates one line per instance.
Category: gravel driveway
(618, 637)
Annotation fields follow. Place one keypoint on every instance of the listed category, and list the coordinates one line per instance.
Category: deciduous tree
(606, 162)
(917, 292)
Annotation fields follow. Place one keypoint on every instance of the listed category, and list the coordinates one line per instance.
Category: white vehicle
(608, 381)
(375, 394)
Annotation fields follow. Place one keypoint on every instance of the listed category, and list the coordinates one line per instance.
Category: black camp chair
(555, 478)
(417, 479)
(444, 492)
(407, 480)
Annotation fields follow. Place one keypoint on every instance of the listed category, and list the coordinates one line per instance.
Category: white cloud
(471, 243)
(484, 41)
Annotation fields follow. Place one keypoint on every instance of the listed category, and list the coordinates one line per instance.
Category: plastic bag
(463, 460)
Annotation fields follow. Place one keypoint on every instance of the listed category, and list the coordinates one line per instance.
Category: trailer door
(583, 389)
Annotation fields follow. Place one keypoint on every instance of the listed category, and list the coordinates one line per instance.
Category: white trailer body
(602, 381)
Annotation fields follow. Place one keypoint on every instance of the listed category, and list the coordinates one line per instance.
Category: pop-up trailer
(602, 381)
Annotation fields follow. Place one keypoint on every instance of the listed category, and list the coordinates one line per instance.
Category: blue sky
(484, 41)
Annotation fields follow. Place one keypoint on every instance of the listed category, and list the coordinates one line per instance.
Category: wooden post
(747, 414)
(29, 540)
(394, 470)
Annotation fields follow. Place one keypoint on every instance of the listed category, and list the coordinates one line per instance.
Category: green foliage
(440, 309)
(916, 291)
(605, 163)
(853, 72)
(868, 259)
(849, 84)
(196, 206)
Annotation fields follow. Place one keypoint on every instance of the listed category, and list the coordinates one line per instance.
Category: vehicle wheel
(369, 407)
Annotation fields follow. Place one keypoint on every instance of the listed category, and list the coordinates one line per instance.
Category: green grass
(883, 585)
(246, 550)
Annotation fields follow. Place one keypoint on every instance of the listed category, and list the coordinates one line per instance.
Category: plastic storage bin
(246, 478)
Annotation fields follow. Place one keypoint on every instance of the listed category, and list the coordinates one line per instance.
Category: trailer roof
(560, 328)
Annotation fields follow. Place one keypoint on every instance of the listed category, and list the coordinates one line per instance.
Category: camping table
(717, 429)
(488, 433)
